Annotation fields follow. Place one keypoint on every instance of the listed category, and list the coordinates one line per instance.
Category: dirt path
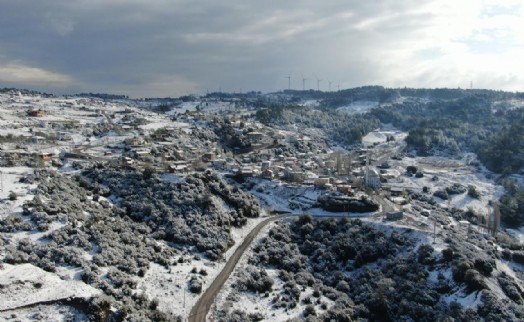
(201, 308)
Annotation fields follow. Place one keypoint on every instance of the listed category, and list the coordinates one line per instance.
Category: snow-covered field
(440, 173)
(26, 284)
(170, 286)
(252, 302)
(10, 183)
(359, 107)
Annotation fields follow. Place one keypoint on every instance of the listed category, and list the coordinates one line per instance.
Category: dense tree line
(339, 127)
(187, 212)
(469, 124)
(125, 220)
(378, 275)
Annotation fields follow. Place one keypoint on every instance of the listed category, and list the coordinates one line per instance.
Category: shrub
(474, 280)
(195, 286)
(425, 254)
(442, 194)
(447, 254)
(455, 189)
(412, 169)
(148, 172)
(472, 192)
(12, 196)
(309, 310)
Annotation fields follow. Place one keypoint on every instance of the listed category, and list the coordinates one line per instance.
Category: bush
(309, 310)
(474, 280)
(148, 173)
(12, 196)
(455, 189)
(195, 286)
(412, 169)
(425, 254)
(485, 266)
(447, 254)
(472, 192)
(442, 194)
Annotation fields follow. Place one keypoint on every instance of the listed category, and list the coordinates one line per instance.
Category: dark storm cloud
(172, 47)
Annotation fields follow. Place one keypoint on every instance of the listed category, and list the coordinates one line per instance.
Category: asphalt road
(201, 308)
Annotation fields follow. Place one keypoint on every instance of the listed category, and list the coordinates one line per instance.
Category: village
(195, 147)
(223, 136)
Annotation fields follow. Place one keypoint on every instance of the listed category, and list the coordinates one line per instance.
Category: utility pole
(434, 230)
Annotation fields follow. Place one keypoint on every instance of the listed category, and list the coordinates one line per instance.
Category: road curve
(201, 308)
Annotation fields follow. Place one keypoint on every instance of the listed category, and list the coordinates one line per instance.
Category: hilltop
(127, 209)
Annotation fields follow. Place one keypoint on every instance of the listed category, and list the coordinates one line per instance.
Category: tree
(148, 172)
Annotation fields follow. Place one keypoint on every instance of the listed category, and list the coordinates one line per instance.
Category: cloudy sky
(173, 47)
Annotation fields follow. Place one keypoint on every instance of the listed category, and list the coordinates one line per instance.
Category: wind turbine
(303, 82)
(318, 83)
(288, 81)
(329, 82)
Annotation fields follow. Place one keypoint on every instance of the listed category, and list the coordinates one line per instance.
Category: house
(141, 154)
(344, 188)
(264, 154)
(38, 139)
(181, 165)
(178, 166)
(45, 156)
(134, 141)
(36, 113)
(254, 137)
(265, 165)
(246, 172)
(321, 182)
(127, 162)
(267, 174)
(329, 163)
(396, 191)
(208, 157)
(372, 179)
(219, 164)
(394, 215)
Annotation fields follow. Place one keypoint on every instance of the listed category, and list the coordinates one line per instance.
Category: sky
(159, 48)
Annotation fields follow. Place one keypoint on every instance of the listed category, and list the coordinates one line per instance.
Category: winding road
(201, 308)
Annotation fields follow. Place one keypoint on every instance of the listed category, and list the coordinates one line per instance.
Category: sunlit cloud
(143, 45)
(19, 74)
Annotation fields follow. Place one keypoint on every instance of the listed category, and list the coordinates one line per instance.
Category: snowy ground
(448, 172)
(253, 303)
(26, 284)
(381, 136)
(170, 286)
(358, 107)
(10, 182)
